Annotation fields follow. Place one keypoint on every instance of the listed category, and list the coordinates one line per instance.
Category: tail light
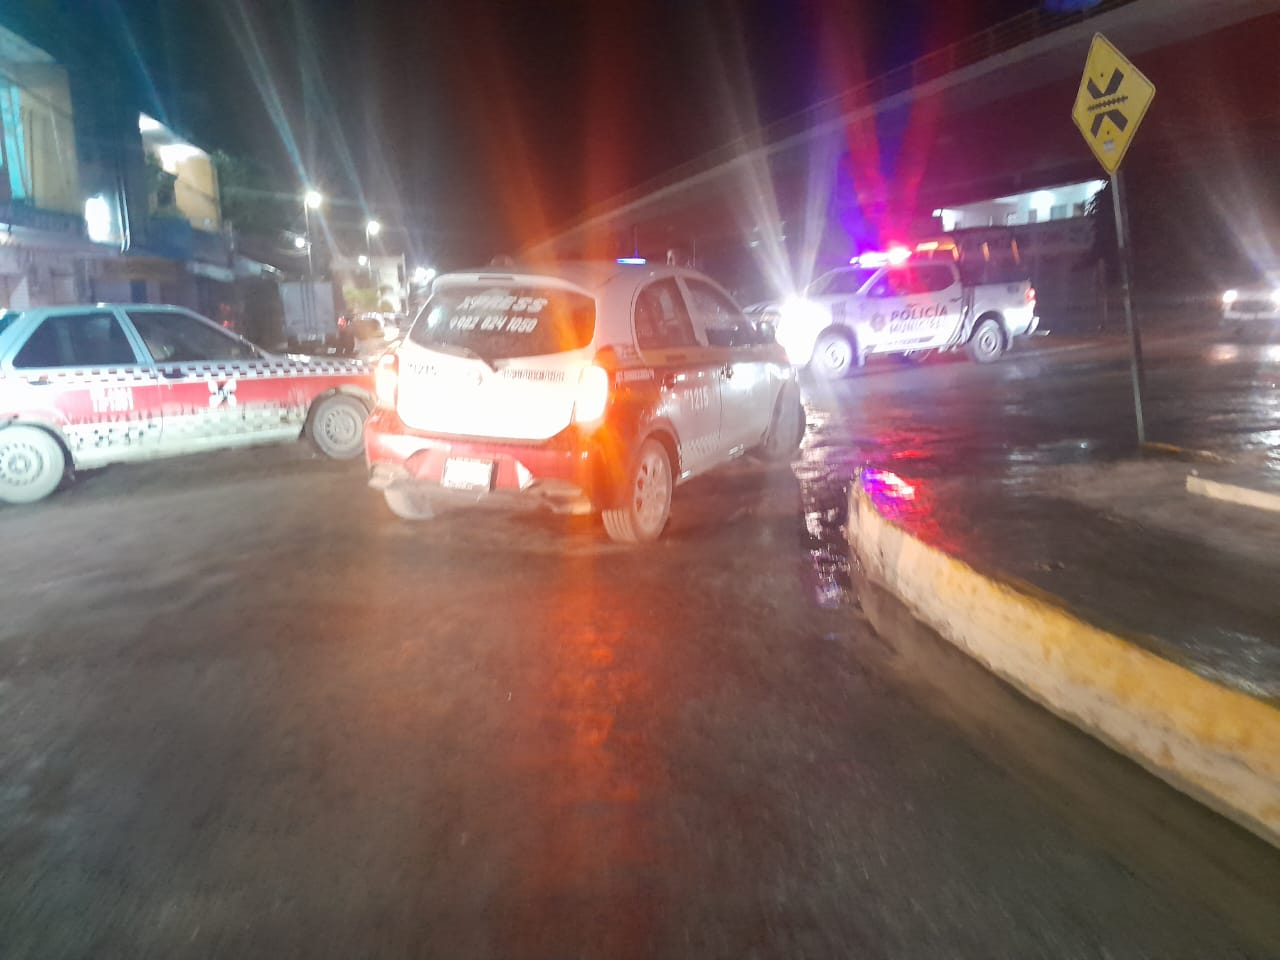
(593, 395)
(1031, 296)
(386, 378)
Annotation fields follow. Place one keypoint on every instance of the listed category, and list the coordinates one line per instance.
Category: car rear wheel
(336, 426)
(646, 499)
(834, 355)
(409, 504)
(787, 429)
(987, 343)
(32, 464)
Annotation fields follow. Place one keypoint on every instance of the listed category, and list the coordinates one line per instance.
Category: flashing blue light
(639, 261)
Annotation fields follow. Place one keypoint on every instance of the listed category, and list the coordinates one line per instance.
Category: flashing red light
(886, 485)
(1031, 296)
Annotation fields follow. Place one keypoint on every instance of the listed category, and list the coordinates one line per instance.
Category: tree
(248, 200)
(360, 299)
(1102, 213)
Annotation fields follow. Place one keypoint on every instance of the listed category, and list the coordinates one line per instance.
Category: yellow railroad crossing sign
(1113, 99)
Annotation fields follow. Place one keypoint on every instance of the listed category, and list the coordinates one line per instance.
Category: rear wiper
(458, 350)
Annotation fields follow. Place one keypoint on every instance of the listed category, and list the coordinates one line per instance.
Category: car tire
(787, 429)
(32, 464)
(645, 500)
(336, 426)
(834, 355)
(409, 504)
(987, 343)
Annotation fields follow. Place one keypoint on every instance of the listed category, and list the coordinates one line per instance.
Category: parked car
(85, 386)
(897, 302)
(577, 387)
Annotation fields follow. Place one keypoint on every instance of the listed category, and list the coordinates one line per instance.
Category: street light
(362, 260)
(311, 200)
(371, 230)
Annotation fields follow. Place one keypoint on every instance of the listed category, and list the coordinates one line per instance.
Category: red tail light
(1031, 296)
(386, 379)
(593, 395)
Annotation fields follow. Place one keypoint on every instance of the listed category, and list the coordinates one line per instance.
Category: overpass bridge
(982, 119)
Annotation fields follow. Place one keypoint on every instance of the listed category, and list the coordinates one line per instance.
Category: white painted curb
(1216, 744)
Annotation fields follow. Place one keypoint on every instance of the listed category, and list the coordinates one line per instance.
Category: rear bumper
(567, 474)
(1021, 321)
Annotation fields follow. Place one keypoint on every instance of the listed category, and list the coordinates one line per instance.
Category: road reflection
(605, 775)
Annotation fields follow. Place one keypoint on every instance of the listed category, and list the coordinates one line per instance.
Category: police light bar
(639, 261)
(894, 256)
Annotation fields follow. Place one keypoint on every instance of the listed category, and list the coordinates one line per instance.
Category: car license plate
(463, 474)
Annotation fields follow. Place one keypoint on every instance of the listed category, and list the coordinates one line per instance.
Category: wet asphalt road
(244, 712)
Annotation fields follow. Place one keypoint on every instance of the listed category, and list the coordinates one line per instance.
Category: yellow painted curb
(1233, 493)
(1216, 744)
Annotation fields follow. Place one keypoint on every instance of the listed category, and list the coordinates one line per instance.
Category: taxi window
(661, 319)
(76, 340)
(7, 319)
(722, 319)
(499, 322)
(173, 337)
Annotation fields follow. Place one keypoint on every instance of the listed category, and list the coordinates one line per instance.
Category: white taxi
(85, 386)
(577, 387)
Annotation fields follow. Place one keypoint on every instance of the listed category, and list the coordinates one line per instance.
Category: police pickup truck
(904, 302)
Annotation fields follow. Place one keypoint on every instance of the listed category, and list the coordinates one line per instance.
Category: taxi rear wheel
(32, 464)
(646, 499)
(787, 430)
(336, 426)
(834, 355)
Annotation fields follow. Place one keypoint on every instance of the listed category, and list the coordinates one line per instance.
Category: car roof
(70, 307)
(591, 275)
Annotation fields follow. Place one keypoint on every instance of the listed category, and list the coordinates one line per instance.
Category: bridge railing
(991, 42)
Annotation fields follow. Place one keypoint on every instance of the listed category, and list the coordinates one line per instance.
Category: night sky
(479, 123)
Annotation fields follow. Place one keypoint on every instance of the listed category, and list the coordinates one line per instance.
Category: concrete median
(1216, 744)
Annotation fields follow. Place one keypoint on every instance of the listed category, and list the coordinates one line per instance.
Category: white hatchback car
(577, 387)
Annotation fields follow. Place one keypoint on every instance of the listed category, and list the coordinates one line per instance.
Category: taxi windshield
(502, 322)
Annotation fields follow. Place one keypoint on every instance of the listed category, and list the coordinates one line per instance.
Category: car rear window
(499, 322)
